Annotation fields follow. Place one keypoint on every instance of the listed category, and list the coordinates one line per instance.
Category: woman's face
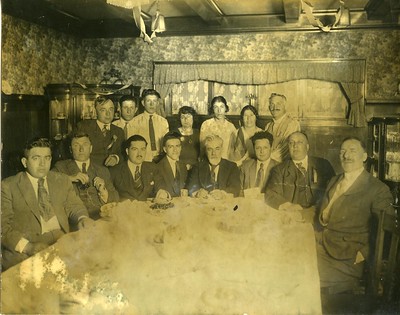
(186, 120)
(249, 119)
(219, 110)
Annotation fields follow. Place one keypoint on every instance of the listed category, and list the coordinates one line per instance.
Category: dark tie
(152, 134)
(84, 171)
(301, 168)
(260, 175)
(104, 130)
(177, 179)
(303, 191)
(214, 181)
(138, 179)
(126, 129)
(45, 207)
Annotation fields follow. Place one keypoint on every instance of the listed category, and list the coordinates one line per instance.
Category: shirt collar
(101, 125)
(352, 176)
(265, 164)
(79, 163)
(279, 120)
(304, 162)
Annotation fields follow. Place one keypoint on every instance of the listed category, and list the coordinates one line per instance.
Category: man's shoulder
(63, 163)
(121, 167)
(51, 175)
(248, 163)
(13, 179)
(87, 123)
(228, 164)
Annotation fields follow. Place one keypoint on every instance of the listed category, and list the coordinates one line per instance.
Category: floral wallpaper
(34, 56)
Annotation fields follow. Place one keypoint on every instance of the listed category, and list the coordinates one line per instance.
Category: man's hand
(85, 223)
(100, 186)
(218, 194)
(111, 160)
(79, 177)
(201, 193)
(33, 248)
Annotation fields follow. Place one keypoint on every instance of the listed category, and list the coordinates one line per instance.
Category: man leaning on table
(38, 206)
(214, 175)
(298, 184)
(345, 218)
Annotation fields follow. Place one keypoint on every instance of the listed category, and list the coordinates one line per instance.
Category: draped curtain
(350, 74)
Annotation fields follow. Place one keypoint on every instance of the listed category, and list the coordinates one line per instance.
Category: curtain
(355, 95)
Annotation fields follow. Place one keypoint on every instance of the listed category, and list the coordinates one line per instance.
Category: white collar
(304, 162)
(279, 120)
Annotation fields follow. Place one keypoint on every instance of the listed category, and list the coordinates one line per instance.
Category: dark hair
(277, 94)
(362, 143)
(100, 100)
(250, 108)
(218, 99)
(126, 98)
(147, 92)
(171, 135)
(262, 135)
(299, 132)
(36, 142)
(186, 110)
(133, 138)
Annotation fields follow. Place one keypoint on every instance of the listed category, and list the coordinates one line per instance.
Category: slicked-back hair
(126, 98)
(147, 92)
(37, 142)
(213, 137)
(171, 135)
(133, 138)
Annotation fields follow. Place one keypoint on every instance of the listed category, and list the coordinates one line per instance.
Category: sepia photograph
(200, 157)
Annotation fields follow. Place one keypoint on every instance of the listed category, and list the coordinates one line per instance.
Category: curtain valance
(266, 72)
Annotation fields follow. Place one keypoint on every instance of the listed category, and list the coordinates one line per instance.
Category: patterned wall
(34, 56)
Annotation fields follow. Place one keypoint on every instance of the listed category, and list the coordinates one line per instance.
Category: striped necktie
(45, 207)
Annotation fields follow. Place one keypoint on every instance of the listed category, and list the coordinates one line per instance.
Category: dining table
(189, 256)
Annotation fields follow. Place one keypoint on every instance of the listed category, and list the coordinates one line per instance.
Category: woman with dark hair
(243, 146)
(189, 137)
(219, 125)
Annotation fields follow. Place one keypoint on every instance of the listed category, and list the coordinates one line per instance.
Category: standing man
(299, 183)
(37, 206)
(343, 234)
(172, 173)
(254, 173)
(281, 127)
(105, 137)
(135, 178)
(128, 107)
(92, 182)
(149, 124)
(214, 174)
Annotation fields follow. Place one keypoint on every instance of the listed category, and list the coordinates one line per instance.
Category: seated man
(214, 174)
(92, 182)
(135, 178)
(345, 218)
(106, 138)
(128, 107)
(298, 183)
(254, 173)
(36, 206)
(172, 173)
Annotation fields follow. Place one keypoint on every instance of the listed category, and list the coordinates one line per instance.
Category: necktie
(84, 171)
(104, 130)
(126, 129)
(214, 177)
(340, 189)
(138, 179)
(177, 179)
(45, 207)
(260, 175)
(301, 168)
(152, 134)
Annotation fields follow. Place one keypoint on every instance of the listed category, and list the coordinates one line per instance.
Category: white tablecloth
(235, 256)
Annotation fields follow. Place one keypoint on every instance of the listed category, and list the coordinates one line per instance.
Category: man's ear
(24, 161)
(91, 148)
(126, 151)
(365, 156)
(164, 150)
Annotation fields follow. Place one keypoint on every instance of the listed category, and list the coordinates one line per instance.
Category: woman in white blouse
(219, 125)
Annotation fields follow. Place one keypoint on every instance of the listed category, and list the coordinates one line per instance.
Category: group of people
(138, 157)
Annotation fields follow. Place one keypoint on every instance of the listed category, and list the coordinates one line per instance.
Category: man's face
(150, 103)
(352, 155)
(219, 110)
(277, 107)
(105, 112)
(37, 161)
(128, 110)
(214, 151)
(173, 149)
(298, 146)
(262, 149)
(136, 152)
(81, 149)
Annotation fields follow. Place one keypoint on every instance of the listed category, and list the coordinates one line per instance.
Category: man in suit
(254, 173)
(172, 173)
(128, 108)
(281, 127)
(106, 138)
(150, 125)
(135, 178)
(343, 232)
(92, 182)
(37, 206)
(299, 183)
(214, 175)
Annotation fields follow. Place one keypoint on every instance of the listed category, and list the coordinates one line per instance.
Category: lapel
(271, 164)
(204, 174)
(222, 173)
(252, 172)
(290, 173)
(54, 190)
(28, 193)
(167, 171)
(126, 176)
(147, 174)
(72, 167)
(359, 185)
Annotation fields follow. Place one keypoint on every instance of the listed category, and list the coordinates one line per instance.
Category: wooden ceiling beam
(206, 11)
(292, 9)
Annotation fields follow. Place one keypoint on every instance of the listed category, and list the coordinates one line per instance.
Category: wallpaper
(34, 56)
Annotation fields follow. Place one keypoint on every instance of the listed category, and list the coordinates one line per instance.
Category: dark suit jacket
(70, 167)
(100, 143)
(349, 220)
(166, 179)
(248, 173)
(283, 181)
(20, 216)
(228, 177)
(124, 183)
